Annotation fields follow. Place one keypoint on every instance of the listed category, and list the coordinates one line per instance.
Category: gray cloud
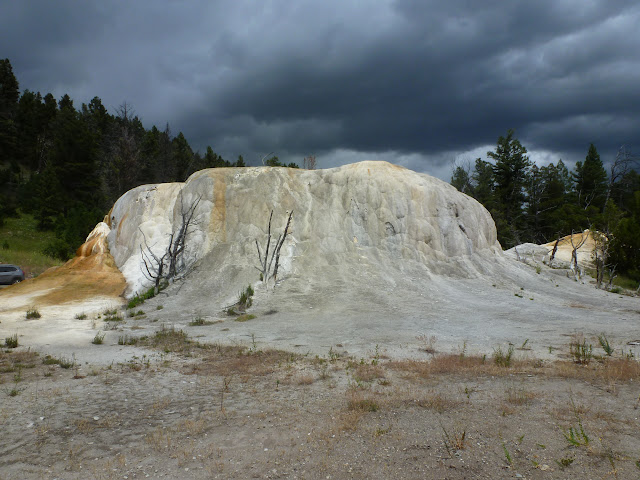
(417, 83)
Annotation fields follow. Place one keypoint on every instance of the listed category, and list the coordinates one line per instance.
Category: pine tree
(510, 174)
(590, 180)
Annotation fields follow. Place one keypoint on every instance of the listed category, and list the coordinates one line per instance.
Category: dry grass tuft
(519, 396)
(608, 370)
(368, 373)
(360, 402)
(305, 380)
(224, 361)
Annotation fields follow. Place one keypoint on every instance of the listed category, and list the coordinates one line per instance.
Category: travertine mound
(372, 213)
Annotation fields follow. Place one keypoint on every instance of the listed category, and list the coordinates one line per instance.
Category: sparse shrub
(200, 321)
(33, 313)
(62, 361)
(501, 358)
(127, 340)
(159, 307)
(604, 343)
(246, 299)
(581, 351)
(112, 316)
(428, 343)
(538, 269)
(98, 339)
(80, 316)
(12, 341)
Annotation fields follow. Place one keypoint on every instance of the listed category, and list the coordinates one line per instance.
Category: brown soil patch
(238, 412)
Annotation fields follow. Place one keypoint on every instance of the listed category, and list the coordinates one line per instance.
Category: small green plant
(507, 455)
(501, 358)
(159, 307)
(112, 316)
(538, 269)
(245, 301)
(581, 351)
(33, 312)
(98, 339)
(245, 317)
(12, 341)
(127, 340)
(453, 443)
(139, 313)
(62, 361)
(565, 462)
(376, 357)
(140, 298)
(333, 356)
(576, 436)
(604, 343)
(198, 321)
(80, 316)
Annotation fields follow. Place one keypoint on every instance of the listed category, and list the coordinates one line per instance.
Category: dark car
(10, 274)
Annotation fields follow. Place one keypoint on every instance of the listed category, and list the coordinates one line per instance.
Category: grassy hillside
(21, 243)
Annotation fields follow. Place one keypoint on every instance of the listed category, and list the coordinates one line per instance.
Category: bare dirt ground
(375, 377)
(187, 410)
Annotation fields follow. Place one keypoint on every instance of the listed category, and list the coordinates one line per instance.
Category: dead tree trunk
(160, 269)
(574, 254)
(154, 266)
(177, 246)
(554, 251)
(266, 262)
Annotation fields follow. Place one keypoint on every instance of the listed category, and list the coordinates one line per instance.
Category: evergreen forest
(67, 165)
(540, 204)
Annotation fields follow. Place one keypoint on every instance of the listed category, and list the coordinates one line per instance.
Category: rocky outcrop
(375, 211)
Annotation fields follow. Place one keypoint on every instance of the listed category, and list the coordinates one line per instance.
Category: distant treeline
(68, 165)
(539, 204)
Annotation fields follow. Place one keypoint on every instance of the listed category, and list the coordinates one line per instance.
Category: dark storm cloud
(418, 83)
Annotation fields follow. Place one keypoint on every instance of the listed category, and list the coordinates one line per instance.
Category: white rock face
(371, 213)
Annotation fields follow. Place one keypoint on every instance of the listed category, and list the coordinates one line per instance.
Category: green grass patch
(32, 313)
(23, 245)
(12, 341)
(245, 317)
(140, 298)
(62, 361)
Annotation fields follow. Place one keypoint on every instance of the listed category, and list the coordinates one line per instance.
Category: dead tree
(575, 245)
(266, 262)
(620, 168)
(155, 266)
(165, 267)
(554, 251)
(178, 244)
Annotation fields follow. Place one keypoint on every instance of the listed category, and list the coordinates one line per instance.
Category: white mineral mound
(370, 217)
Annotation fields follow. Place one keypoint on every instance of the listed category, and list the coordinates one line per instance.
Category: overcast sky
(419, 83)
